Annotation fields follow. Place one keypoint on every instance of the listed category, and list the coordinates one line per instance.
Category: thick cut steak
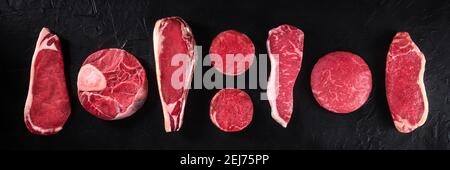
(285, 48)
(405, 90)
(234, 47)
(112, 84)
(231, 110)
(173, 44)
(47, 106)
(341, 82)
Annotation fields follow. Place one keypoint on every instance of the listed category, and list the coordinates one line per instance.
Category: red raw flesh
(112, 84)
(172, 36)
(47, 107)
(341, 82)
(236, 44)
(231, 110)
(285, 48)
(405, 89)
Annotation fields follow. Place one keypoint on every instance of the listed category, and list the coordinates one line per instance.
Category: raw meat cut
(235, 47)
(341, 82)
(112, 84)
(47, 107)
(173, 42)
(405, 89)
(231, 110)
(285, 48)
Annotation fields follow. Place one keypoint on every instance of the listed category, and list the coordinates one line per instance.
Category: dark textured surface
(363, 27)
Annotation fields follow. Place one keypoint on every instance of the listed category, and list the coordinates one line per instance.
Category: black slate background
(364, 27)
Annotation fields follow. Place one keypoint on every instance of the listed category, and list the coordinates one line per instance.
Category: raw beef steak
(112, 84)
(47, 106)
(405, 90)
(341, 82)
(231, 110)
(285, 48)
(173, 45)
(233, 46)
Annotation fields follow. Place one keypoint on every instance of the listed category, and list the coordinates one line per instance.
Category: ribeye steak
(173, 45)
(405, 89)
(47, 107)
(285, 48)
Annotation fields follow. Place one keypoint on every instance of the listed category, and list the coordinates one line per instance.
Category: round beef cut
(231, 110)
(405, 89)
(47, 107)
(232, 52)
(341, 82)
(112, 84)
